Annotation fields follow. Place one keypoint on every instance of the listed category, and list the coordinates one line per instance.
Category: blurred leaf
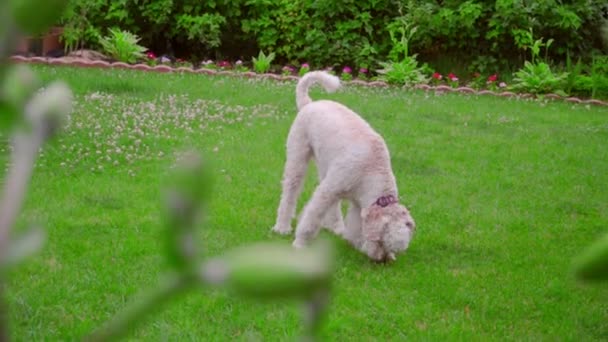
(186, 190)
(592, 264)
(50, 107)
(22, 247)
(18, 86)
(269, 270)
(35, 16)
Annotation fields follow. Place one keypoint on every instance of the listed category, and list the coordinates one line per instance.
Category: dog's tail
(330, 82)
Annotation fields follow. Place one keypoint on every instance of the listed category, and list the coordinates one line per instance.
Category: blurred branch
(169, 287)
(22, 164)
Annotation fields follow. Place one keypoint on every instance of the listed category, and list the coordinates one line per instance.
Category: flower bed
(289, 74)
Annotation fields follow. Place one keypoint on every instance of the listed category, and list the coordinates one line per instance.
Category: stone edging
(249, 74)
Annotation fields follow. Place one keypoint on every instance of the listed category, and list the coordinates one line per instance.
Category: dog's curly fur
(353, 164)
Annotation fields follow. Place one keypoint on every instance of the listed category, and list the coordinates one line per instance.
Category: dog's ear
(373, 222)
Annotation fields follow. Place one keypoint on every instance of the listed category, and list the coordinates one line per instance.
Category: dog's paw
(298, 243)
(281, 230)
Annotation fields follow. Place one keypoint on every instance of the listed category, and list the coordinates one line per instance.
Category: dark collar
(386, 200)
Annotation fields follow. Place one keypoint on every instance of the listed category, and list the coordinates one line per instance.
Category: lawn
(504, 192)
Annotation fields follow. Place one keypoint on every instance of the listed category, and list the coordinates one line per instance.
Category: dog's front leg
(352, 231)
(310, 223)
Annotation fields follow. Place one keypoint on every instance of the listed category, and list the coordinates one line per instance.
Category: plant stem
(170, 286)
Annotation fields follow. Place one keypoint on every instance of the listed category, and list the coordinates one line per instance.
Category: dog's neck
(387, 200)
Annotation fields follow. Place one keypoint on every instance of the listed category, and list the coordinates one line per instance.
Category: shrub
(538, 79)
(122, 46)
(406, 72)
(402, 69)
(261, 64)
(337, 33)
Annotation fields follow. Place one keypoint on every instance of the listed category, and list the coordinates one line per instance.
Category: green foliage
(538, 79)
(34, 17)
(262, 63)
(333, 33)
(406, 72)
(202, 29)
(403, 68)
(484, 65)
(79, 29)
(122, 46)
(400, 44)
(323, 33)
(524, 39)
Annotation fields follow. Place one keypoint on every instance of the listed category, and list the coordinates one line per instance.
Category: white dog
(353, 164)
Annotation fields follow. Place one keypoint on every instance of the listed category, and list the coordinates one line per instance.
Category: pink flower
(239, 62)
(492, 78)
(305, 65)
(502, 84)
(437, 76)
(452, 77)
(363, 71)
(347, 70)
(223, 64)
(287, 68)
(151, 55)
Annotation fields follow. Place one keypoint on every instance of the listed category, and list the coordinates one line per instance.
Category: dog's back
(333, 130)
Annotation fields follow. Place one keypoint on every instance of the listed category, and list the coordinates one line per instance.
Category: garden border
(249, 74)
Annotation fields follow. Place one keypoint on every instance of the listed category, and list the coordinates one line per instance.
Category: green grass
(504, 192)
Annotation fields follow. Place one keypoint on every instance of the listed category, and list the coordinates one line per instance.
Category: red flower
(493, 78)
(151, 55)
(437, 76)
(224, 64)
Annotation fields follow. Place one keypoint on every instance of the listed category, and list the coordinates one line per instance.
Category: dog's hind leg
(298, 155)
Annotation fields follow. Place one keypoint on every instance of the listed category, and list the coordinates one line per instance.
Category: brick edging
(249, 74)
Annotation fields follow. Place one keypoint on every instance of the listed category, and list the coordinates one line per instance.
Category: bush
(122, 46)
(338, 33)
(345, 32)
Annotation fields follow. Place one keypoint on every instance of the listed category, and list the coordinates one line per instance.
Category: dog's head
(387, 230)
